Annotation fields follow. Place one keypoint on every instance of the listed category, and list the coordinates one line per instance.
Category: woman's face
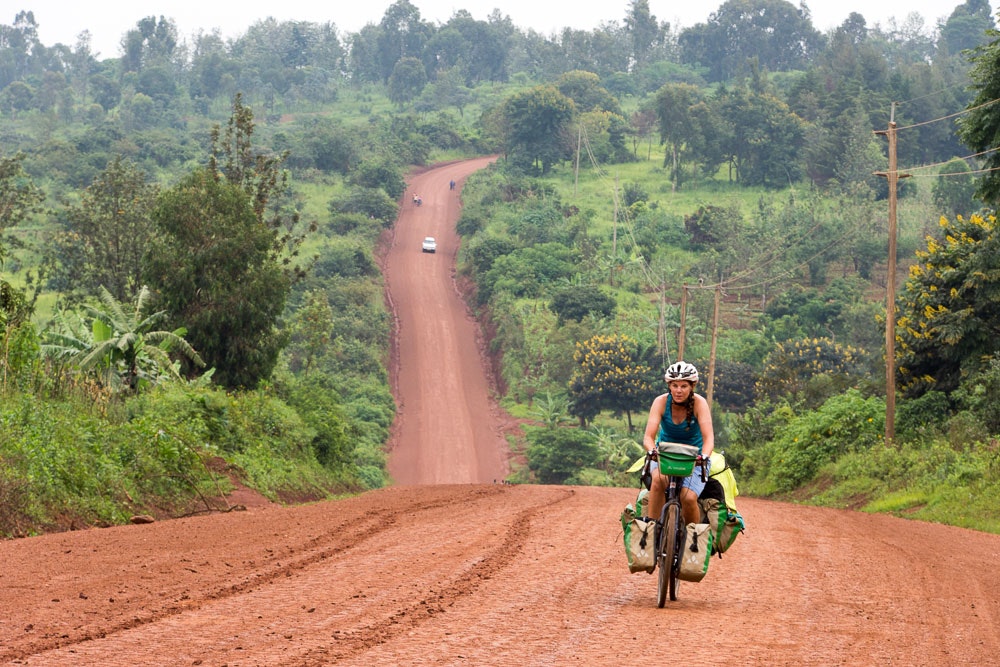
(680, 390)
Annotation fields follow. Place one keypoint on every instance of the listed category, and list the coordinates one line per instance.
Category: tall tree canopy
(537, 122)
(108, 233)
(214, 272)
(776, 33)
(980, 127)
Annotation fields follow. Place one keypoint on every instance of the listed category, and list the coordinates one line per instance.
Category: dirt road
(441, 571)
(447, 429)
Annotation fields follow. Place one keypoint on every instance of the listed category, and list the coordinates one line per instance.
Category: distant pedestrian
(451, 185)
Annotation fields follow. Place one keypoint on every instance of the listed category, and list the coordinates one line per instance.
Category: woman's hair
(689, 405)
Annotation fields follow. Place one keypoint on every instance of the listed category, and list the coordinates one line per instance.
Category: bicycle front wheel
(674, 548)
(666, 556)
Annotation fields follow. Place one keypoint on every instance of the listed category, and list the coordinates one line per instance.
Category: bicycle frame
(670, 535)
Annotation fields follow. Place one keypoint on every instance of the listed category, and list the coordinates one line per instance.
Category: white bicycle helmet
(681, 371)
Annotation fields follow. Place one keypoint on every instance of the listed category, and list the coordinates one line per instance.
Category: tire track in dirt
(359, 611)
(492, 564)
(271, 563)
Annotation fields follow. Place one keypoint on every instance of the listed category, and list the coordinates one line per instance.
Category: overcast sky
(107, 20)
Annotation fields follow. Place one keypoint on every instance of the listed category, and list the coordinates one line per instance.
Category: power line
(954, 115)
(971, 172)
(938, 164)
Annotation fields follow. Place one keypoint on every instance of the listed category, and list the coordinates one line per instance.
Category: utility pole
(684, 309)
(715, 338)
(576, 172)
(614, 228)
(892, 175)
(661, 331)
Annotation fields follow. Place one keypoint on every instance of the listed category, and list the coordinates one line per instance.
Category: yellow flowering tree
(609, 375)
(793, 367)
(948, 323)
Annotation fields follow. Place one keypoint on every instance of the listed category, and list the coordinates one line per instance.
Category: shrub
(847, 422)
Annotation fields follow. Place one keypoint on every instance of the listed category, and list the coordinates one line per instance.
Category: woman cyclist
(680, 416)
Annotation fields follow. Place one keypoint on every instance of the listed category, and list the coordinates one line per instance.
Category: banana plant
(122, 346)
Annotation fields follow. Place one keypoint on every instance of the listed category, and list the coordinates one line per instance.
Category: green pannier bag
(676, 459)
(642, 504)
(726, 525)
(640, 541)
(697, 552)
(721, 472)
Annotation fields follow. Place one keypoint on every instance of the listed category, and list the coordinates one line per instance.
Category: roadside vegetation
(190, 291)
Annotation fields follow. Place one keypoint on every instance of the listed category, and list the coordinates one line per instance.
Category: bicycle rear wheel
(666, 556)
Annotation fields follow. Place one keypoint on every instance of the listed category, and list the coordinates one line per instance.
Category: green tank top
(685, 433)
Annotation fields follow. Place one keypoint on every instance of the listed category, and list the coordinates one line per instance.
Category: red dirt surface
(449, 568)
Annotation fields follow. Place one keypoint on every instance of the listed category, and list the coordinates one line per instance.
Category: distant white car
(430, 245)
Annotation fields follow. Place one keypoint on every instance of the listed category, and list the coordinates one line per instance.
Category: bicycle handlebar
(700, 461)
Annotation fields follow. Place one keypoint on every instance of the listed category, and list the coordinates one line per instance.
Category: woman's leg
(689, 506)
(657, 494)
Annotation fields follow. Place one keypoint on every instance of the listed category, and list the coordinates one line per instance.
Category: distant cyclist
(680, 416)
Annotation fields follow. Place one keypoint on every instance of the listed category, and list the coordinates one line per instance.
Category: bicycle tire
(662, 564)
(674, 548)
(666, 557)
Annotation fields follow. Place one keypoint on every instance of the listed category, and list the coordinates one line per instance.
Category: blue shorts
(693, 481)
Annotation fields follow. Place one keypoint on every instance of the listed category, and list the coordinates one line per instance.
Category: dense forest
(189, 232)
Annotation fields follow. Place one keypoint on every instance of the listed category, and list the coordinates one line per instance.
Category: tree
(380, 172)
(447, 89)
(981, 125)
(483, 51)
(214, 271)
(675, 103)
(575, 303)
(809, 369)
(609, 376)
(105, 91)
(967, 26)
(766, 138)
(19, 199)
(233, 157)
(373, 203)
(402, 33)
(17, 96)
(537, 127)
(556, 455)
(587, 93)
(948, 326)
(408, 78)
(775, 33)
(19, 196)
(954, 189)
(643, 30)
(310, 332)
(151, 42)
(108, 233)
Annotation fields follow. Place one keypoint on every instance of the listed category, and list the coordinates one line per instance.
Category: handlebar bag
(676, 459)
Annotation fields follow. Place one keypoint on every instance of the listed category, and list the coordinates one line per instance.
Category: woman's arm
(653, 423)
(704, 415)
